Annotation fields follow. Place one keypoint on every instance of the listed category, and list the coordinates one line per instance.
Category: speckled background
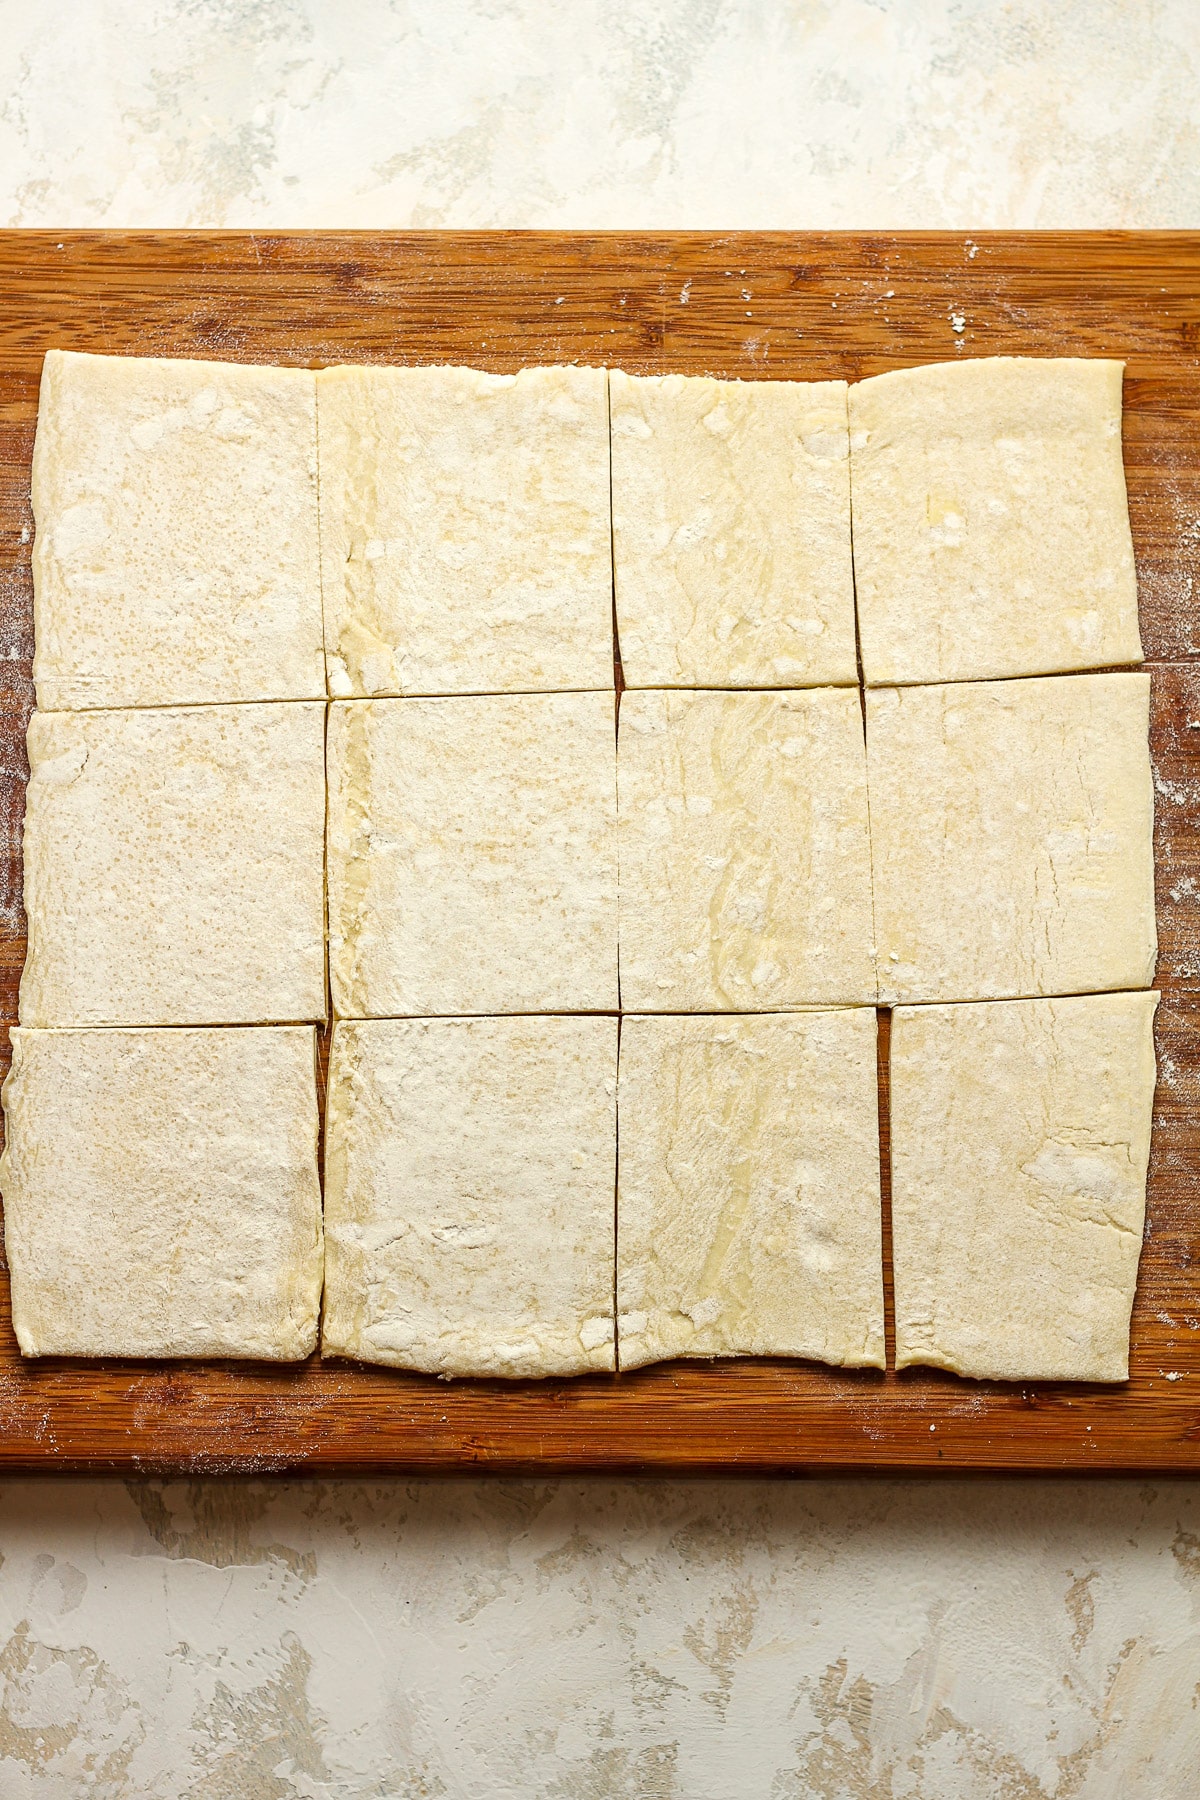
(825, 1641)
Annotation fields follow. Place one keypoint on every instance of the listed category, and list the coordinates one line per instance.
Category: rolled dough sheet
(174, 866)
(1012, 837)
(465, 533)
(472, 855)
(744, 859)
(731, 532)
(469, 1178)
(176, 556)
(748, 1210)
(1020, 1139)
(991, 526)
(161, 1193)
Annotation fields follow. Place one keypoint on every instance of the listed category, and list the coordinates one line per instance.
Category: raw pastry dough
(744, 860)
(991, 526)
(1012, 837)
(731, 532)
(748, 1208)
(174, 866)
(176, 554)
(465, 534)
(469, 1171)
(1020, 1138)
(161, 1194)
(472, 855)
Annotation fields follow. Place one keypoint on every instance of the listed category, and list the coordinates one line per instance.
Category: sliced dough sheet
(1020, 1142)
(991, 525)
(469, 1179)
(748, 1214)
(176, 558)
(472, 855)
(1012, 837)
(731, 532)
(744, 856)
(161, 1192)
(174, 867)
(465, 533)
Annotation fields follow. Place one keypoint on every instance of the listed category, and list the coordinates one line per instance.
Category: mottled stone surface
(831, 1641)
(220, 1640)
(818, 113)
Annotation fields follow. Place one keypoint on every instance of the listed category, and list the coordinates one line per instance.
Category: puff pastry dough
(469, 1170)
(1012, 837)
(161, 1195)
(748, 1209)
(991, 526)
(174, 866)
(472, 855)
(1020, 1139)
(731, 532)
(745, 867)
(465, 530)
(176, 555)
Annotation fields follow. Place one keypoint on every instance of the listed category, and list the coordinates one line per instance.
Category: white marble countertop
(657, 113)
(221, 1640)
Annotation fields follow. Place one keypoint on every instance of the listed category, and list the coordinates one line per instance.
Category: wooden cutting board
(756, 305)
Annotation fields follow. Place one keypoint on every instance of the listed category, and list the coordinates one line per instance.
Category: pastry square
(731, 532)
(465, 530)
(991, 526)
(469, 1178)
(174, 866)
(176, 557)
(1020, 1140)
(472, 855)
(748, 1204)
(745, 879)
(161, 1192)
(1012, 837)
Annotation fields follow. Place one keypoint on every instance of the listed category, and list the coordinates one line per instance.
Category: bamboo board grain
(753, 305)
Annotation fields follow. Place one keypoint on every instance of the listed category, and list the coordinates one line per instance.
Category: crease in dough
(1020, 1144)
